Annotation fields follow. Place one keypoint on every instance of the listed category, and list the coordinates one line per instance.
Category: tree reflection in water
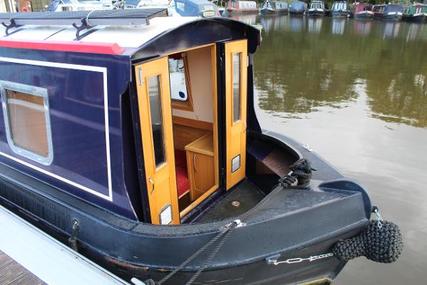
(302, 66)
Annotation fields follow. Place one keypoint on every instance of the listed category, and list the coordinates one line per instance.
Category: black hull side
(132, 249)
(316, 14)
(363, 16)
(296, 13)
(266, 12)
(414, 19)
(340, 14)
(393, 18)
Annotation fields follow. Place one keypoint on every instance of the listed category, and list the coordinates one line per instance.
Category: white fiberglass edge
(47, 258)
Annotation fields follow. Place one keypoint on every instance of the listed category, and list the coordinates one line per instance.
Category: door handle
(194, 162)
(152, 184)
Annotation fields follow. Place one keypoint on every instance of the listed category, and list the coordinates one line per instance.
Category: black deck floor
(236, 202)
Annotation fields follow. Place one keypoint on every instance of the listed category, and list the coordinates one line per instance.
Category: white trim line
(103, 70)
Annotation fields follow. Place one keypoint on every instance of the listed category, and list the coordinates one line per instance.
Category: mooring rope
(223, 233)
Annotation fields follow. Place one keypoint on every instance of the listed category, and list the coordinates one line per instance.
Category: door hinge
(221, 62)
(140, 78)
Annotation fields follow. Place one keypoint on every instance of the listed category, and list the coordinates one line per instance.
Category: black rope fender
(381, 242)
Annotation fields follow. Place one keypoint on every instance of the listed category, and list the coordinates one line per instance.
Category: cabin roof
(116, 39)
(124, 36)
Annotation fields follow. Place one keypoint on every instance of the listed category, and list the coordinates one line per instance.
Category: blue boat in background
(297, 8)
(390, 12)
(191, 8)
(393, 12)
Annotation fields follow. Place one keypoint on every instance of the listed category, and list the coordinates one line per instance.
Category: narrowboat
(274, 8)
(389, 12)
(416, 13)
(340, 9)
(297, 7)
(316, 9)
(378, 11)
(363, 11)
(194, 8)
(79, 5)
(235, 7)
(393, 12)
(132, 137)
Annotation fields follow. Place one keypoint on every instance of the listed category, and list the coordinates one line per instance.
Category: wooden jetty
(29, 256)
(11, 272)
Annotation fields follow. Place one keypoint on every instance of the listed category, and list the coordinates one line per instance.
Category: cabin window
(156, 119)
(236, 85)
(179, 82)
(27, 121)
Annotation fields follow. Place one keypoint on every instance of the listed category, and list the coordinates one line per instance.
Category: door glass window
(236, 85)
(156, 119)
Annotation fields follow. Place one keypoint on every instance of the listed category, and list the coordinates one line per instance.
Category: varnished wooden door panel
(157, 140)
(236, 62)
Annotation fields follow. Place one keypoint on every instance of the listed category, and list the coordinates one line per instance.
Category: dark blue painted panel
(76, 99)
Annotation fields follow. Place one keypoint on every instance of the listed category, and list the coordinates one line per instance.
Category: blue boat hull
(133, 249)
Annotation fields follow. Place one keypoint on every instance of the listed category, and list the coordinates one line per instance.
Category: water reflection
(314, 25)
(301, 66)
(338, 26)
(296, 24)
(391, 30)
(247, 19)
(362, 28)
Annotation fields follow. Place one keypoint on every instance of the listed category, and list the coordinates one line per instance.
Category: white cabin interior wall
(199, 67)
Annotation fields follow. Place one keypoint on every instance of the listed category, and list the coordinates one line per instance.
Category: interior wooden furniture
(195, 130)
(200, 165)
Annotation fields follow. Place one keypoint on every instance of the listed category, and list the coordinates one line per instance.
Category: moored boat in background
(274, 7)
(316, 9)
(194, 8)
(235, 7)
(416, 13)
(340, 9)
(79, 5)
(378, 11)
(393, 12)
(297, 7)
(389, 12)
(363, 11)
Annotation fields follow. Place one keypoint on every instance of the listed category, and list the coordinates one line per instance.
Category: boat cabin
(126, 117)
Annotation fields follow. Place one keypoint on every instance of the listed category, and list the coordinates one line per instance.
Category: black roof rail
(82, 19)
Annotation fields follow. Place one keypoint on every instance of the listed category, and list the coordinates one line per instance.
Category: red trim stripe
(81, 47)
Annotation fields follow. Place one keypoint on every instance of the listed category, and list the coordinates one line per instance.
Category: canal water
(356, 93)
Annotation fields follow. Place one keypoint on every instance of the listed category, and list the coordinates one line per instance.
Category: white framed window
(27, 121)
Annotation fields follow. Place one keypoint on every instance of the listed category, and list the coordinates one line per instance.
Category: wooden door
(236, 63)
(154, 106)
